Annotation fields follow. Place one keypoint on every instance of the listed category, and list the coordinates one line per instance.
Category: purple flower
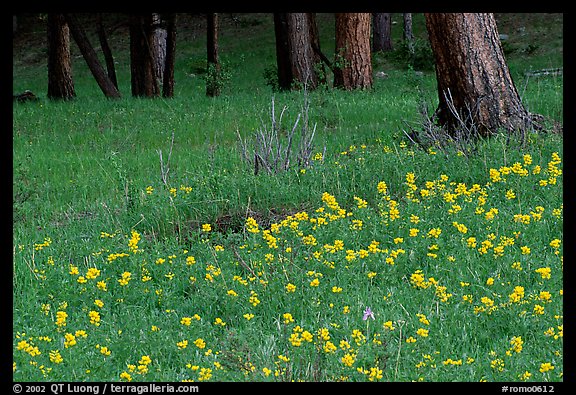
(368, 313)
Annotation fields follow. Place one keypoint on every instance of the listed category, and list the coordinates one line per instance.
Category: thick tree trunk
(297, 50)
(142, 66)
(381, 32)
(168, 78)
(353, 63)
(104, 82)
(213, 63)
(60, 82)
(282, 54)
(158, 46)
(472, 73)
(303, 59)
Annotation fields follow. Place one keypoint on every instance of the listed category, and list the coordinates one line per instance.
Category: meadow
(378, 261)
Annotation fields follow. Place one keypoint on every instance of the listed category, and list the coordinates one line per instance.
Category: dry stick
(30, 267)
(410, 138)
(243, 147)
(277, 140)
(141, 219)
(164, 173)
(289, 146)
(165, 170)
(468, 125)
(259, 159)
(268, 150)
(237, 255)
(264, 146)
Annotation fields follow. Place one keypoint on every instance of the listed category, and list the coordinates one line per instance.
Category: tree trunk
(297, 50)
(381, 32)
(408, 35)
(301, 53)
(91, 58)
(315, 42)
(168, 78)
(158, 46)
(472, 73)
(60, 82)
(142, 67)
(353, 62)
(282, 54)
(110, 68)
(213, 63)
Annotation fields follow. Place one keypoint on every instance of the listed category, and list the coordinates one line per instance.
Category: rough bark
(381, 32)
(158, 45)
(353, 64)
(408, 35)
(91, 57)
(213, 63)
(472, 73)
(168, 77)
(60, 81)
(297, 50)
(142, 67)
(303, 59)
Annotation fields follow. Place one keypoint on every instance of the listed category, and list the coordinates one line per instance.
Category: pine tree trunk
(110, 68)
(91, 58)
(282, 54)
(142, 67)
(408, 35)
(301, 53)
(353, 63)
(472, 73)
(213, 63)
(297, 50)
(60, 82)
(158, 46)
(381, 32)
(168, 78)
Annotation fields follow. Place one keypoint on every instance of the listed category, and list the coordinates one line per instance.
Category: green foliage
(423, 246)
(419, 57)
(23, 193)
(270, 75)
(198, 66)
(217, 76)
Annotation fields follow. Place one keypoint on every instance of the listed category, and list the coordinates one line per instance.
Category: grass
(221, 275)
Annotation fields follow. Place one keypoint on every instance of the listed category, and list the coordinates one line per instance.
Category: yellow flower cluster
(321, 266)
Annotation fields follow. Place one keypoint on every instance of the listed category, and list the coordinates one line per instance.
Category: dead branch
(165, 168)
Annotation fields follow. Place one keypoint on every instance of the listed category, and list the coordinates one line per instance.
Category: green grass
(87, 186)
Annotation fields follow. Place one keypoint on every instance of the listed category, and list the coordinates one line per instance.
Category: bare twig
(237, 255)
(463, 133)
(165, 168)
(273, 153)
